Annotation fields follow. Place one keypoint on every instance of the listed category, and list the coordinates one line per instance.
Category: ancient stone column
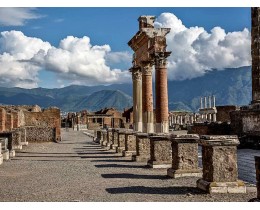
(214, 117)
(255, 53)
(205, 102)
(147, 96)
(214, 101)
(137, 98)
(121, 140)
(219, 160)
(114, 139)
(210, 105)
(161, 90)
(201, 103)
(185, 159)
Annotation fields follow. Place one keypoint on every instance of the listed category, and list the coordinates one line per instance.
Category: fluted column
(147, 96)
(137, 98)
(161, 87)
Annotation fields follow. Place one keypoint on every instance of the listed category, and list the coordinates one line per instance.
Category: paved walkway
(77, 169)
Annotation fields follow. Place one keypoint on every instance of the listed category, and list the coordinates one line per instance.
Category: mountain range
(230, 86)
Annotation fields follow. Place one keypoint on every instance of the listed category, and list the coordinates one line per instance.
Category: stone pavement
(78, 169)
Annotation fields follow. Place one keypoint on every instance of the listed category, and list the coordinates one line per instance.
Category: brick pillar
(161, 87)
(147, 96)
(2, 119)
(9, 122)
(255, 52)
(137, 98)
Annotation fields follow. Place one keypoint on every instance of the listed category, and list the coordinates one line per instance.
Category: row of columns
(143, 96)
(210, 103)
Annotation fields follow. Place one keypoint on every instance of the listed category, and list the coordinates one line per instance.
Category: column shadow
(134, 176)
(120, 166)
(178, 190)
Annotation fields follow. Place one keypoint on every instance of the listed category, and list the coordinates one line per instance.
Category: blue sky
(115, 27)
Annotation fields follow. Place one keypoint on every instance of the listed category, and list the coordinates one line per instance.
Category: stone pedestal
(4, 148)
(130, 144)
(109, 136)
(114, 139)
(121, 141)
(143, 150)
(184, 156)
(1, 156)
(257, 167)
(219, 159)
(104, 137)
(99, 137)
(12, 153)
(160, 151)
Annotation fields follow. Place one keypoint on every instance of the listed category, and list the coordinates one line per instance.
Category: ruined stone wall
(15, 119)
(223, 113)
(40, 134)
(2, 119)
(210, 129)
(48, 118)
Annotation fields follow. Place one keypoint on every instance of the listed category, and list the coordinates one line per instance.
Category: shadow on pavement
(178, 190)
(134, 176)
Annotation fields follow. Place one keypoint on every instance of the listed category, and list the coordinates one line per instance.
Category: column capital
(160, 59)
(147, 68)
(137, 74)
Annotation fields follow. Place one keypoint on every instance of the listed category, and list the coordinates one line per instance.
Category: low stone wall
(210, 129)
(40, 134)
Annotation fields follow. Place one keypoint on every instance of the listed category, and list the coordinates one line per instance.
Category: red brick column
(147, 96)
(161, 87)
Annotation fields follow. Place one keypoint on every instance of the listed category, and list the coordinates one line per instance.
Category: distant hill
(230, 86)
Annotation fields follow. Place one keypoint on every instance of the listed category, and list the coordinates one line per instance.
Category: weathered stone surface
(160, 151)
(121, 141)
(257, 166)
(130, 144)
(219, 159)
(143, 149)
(114, 139)
(37, 134)
(184, 156)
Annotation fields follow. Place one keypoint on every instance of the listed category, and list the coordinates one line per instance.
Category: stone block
(114, 138)
(184, 156)
(160, 151)
(130, 143)
(257, 166)
(143, 150)
(1, 159)
(121, 141)
(12, 153)
(219, 160)
(5, 154)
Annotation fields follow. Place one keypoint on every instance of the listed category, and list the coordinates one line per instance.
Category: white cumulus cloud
(74, 60)
(195, 51)
(17, 16)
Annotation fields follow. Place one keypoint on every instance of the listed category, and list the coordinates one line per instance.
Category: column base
(108, 145)
(5, 154)
(138, 126)
(149, 128)
(129, 153)
(12, 153)
(113, 146)
(139, 158)
(104, 143)
(17, 147)
(159, 164)
(162, 127)
(120, 149)
(221, 187)
(25, 143)
(184, 173)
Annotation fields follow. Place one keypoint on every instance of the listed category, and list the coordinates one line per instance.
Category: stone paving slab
(77, 169)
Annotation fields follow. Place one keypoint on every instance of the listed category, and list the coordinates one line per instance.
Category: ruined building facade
(149, 46)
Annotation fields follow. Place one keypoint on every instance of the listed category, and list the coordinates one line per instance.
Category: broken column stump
(109, 137)
(4, 148)
(130, 143)
(121, 141)
(143, 150)
(114, 139)
(219, 160)
(185, 161)
(160, 151)
(99, 137)
(104, 138)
